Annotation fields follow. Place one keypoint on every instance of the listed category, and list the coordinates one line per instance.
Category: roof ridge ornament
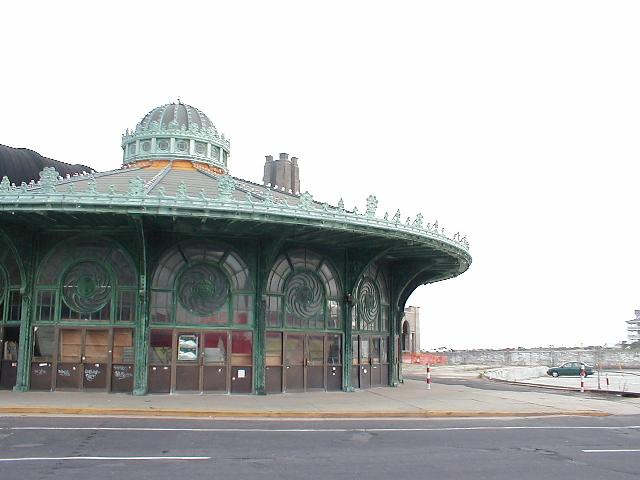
(92, 186)
(306, 200)
(5, 185)
(372, 206)
(226, 186)
(181, 191)
(136, 187)
(48, 178)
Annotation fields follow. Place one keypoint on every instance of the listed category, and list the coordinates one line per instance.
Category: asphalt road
(541, 448)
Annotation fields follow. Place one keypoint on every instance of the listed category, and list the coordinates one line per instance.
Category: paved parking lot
(607, 380)
(627, 381)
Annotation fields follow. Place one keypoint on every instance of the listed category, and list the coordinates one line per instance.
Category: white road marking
(33, 459)
(327, 430)
(627, 450)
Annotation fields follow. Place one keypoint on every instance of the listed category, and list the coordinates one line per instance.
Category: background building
(411, 330)
(633, 328)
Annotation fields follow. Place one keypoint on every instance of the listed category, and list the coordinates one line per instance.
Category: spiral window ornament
(203, 289)
(304, 295)
(87, 287)
(368, 304)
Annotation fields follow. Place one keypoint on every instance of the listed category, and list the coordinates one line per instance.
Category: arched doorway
(304, 324)
(370, 337)
(201, 321)
(84, 318)
(10, 313)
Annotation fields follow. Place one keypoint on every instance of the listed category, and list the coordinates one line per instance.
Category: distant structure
(633, 328)
(282, 174)
(411, 330)
(24, 165)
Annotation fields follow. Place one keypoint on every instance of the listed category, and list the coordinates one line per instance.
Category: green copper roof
(183, 185)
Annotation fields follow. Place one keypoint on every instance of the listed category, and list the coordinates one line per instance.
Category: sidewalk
(410, 400)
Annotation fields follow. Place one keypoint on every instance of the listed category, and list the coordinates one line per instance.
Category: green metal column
(260, 329)
(394, 374)
(24, 346)
(347, 304)
(142, 321)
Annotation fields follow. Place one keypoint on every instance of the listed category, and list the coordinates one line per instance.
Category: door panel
(40, 376)
(159, 379)
(95, 358)
(214, 370)
(8, 374)
(376, 378)
(9, 357)
(69, 369)
(123, 360)
(160, 359)
(241, 379)
(187, 378)
(334, 362)
(294, 363)
(214, 378)
(68, 375)
(365, 367)
(315, 362)
(273, 361)
(43, 356)
(273, 379)
(121, 378)
(187, 362)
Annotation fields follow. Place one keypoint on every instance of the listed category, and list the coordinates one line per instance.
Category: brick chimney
(282, 173)
(268, 177)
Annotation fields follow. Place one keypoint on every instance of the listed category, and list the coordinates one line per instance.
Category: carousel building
(170, 275)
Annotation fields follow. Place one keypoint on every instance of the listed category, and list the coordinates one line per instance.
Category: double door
(306, 362)
(200, 361)
(98, 359)
(370, 364)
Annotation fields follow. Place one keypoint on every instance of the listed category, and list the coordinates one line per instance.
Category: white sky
(513, 122)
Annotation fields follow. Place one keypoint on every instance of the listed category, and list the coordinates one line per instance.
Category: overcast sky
(516, 123)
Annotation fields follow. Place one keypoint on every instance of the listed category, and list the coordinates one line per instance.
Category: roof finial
(179, 101)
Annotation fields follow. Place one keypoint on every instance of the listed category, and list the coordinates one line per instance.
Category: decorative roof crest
(226, 186)
(48, 178)
(136, 187)
(372, 206)
(306, 200)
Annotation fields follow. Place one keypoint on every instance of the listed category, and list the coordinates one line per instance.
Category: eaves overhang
(302, 218)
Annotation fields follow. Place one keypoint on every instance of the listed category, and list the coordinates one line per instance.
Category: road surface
(72, 448)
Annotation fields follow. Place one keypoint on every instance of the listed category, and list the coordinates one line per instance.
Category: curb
(41, 410)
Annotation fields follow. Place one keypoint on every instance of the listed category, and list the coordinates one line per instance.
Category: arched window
(371, 308)
(201, 283)
(10, 283)
(86, 279)
(406, 336)
(303, 291)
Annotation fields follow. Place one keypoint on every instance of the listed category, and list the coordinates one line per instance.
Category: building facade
(171, 275)
(633, 328)
(410, 332)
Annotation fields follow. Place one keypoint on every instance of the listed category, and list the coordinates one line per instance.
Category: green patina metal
(176, 131)
(179, 227)
(142, 305)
